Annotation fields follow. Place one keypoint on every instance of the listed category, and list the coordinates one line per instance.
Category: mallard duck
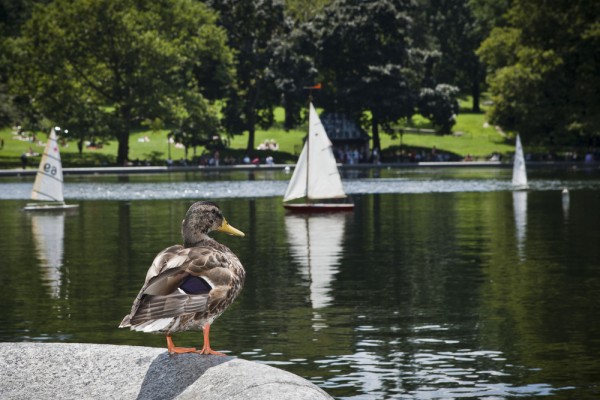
(188, 287)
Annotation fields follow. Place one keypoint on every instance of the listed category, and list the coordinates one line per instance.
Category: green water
(417, 295)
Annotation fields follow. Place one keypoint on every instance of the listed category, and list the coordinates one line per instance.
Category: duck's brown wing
(156, 306)
(184, 281)
(158, 267)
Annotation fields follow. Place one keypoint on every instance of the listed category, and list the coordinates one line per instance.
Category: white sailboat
(316, 176)
(48, 185)
(316, 244)
(519, 177)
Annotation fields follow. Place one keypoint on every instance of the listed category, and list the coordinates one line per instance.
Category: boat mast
(308, 145)
(310, 89)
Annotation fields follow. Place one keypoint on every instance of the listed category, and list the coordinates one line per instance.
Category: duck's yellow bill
(230, 230)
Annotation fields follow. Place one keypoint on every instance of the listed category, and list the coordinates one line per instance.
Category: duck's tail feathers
(156, 325)
(126, 323)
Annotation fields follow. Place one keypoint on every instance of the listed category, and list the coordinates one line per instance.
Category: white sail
(316, 175)
(48, 183)
(316, 244)
(519, 177)
(297, 187)
(48, 235)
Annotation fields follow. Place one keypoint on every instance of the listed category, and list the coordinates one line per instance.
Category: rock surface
(93, 371)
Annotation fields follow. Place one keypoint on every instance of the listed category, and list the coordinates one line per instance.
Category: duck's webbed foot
(178, 350)
(206, 348)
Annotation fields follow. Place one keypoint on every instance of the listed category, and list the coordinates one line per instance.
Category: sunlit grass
(471, 136)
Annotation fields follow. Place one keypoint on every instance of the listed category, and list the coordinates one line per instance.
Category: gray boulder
(94, 371)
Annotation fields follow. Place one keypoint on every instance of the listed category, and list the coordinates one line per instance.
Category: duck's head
(201, 218)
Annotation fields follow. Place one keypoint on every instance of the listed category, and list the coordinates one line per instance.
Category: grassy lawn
(471, 137)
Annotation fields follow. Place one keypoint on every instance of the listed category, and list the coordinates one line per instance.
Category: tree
(543, 71)
(195, 124)
(118, 62)
(440, 106)
(365, 57)
(457, 35)
(292, 69)
(304, 10)
(250, 26)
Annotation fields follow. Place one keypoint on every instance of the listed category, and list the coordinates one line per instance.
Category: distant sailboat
(48, 185)
(316, 244)
(316, 176)
(519, 177)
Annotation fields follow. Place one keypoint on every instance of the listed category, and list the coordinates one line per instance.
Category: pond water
(440, 284)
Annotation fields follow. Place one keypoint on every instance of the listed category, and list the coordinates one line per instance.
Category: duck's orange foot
(206, 348)
(210, 351)
(181, 350)
(172, 349)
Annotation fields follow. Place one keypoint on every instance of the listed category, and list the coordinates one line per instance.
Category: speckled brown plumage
(187, 287)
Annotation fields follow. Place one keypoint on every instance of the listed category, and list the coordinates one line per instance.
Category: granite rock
(95, 371)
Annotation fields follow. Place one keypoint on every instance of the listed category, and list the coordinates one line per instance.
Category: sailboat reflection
(520, 210)
(566, 202)
(316, 243)
(48, 237)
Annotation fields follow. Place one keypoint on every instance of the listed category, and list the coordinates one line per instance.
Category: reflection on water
(417, 295)
(315, 243)
(421, 367)
(565, 200)
(48, 235)
(520, 210)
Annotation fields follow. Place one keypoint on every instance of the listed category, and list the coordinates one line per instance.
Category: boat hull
(318, 207)
(49, 206)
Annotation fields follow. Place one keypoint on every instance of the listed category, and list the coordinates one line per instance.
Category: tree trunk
(123, 136)
(476, 87)
(476, 93)
(250, 146)
(375, 130)
(251, 129)
(253, 94)
(123, 152)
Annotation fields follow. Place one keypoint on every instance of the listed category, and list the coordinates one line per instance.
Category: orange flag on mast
(317, 86)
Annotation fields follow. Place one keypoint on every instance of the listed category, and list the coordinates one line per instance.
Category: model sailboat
(316, 176)
(519, 177)
(48, 185)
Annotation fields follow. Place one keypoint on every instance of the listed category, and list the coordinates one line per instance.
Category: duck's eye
(194, 285)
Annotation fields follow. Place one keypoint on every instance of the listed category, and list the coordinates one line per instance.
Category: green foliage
(304, 10)
(543, 71)
(99, 67)
(251, 25)
(365, 61)
(440, 106)
(293, 68)
(455, 28)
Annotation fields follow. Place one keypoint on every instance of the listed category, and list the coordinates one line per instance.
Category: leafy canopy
(543, 71)
(107, 65)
